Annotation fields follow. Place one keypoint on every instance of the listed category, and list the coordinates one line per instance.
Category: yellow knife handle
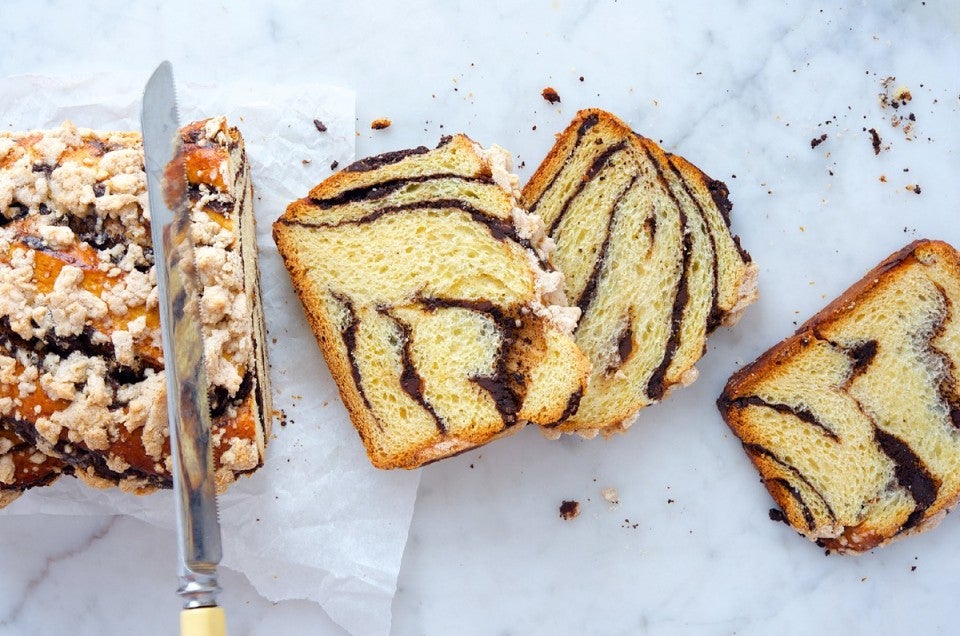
(203, 621)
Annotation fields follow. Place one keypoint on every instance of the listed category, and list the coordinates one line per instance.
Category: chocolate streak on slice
(589, 292)
(573, 404)
(498, 386)
(387, 158)
(801, 414)
(862, 355)
(757, 449)
(656, 385)
(588, 122)
(948, 387)
(911, 474)
(721, 197)
(500, 229)
(410, 379)
(348, 333)
(807, 514)
(503, 397)
(384, 188)
(599, 163)
(715, 317)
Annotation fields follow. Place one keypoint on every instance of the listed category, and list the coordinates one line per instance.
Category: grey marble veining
(740, 89)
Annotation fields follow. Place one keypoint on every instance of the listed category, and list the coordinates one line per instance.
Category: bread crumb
(381, 123)
(551, 95)
(569, 510)
(611, 495)
(875, 140)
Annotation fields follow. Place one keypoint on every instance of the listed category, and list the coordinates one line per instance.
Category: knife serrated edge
(198, 528)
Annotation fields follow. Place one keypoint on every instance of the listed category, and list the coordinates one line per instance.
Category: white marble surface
(739, 90)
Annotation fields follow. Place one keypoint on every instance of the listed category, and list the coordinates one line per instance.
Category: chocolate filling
(385, 159)
(590, 289)
(349, 335)
(807, 514)
(756, 449)
(90, 229)
(588, 122)
(625, 344)
(599, 163)
(573, 404)
(656, 385)
(715, 316)
(13, 212)
(911, 474)
(862, 355)
(410, 379)
(801, 414)
(62, 346)
(384, 188)
(720, 195)
(503, 396)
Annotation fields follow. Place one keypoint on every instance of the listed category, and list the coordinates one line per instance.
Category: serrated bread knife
(198, 528)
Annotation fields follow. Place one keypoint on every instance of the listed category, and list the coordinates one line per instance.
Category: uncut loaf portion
(82, 386)
(854, 421)
(432, 297)
(643, 239)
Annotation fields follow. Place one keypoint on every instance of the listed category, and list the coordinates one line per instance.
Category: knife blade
(188, 411)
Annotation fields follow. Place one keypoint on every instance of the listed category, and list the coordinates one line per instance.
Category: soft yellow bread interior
(648, 257)
(428, 302)
(853, 422)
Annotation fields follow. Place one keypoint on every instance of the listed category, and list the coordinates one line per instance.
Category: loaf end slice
(643, 239)
(433, 300)
(854, 421)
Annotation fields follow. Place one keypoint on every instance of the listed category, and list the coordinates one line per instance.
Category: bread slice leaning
(644, 242)
(433, 300)
(854, 421)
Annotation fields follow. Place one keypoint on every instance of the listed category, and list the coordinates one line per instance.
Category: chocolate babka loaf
(432, 297)
(82, 386)
(644, 242)
(854, 421)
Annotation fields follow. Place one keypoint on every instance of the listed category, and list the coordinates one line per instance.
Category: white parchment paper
(317, 522)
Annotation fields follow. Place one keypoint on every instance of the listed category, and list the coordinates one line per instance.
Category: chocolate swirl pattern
(643, 239)
(431, 295)
(850, 421)
(81, 370)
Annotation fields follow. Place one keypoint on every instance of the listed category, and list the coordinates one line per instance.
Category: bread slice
(643, 239)
(432, 297)
(854, 421)
(81, 368)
